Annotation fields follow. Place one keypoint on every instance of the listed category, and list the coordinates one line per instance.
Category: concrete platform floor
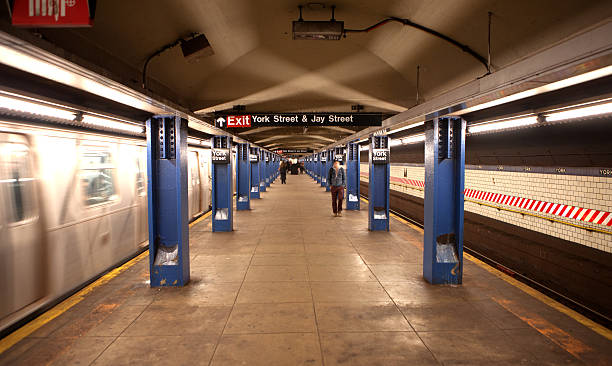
(295, 286)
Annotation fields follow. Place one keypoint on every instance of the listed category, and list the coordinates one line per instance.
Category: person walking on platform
(337, 181)
(283, 172)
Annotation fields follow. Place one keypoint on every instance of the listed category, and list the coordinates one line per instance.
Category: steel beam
(443, 215)
(167, 201)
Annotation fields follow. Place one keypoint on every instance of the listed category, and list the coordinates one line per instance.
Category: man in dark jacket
(283, 172)
(337, 181)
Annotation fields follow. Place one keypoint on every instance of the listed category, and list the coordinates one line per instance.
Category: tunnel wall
(570, 204)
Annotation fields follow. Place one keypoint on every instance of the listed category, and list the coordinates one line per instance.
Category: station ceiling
(257, 64)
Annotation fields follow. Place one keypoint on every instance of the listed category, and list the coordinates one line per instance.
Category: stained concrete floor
(293, 285)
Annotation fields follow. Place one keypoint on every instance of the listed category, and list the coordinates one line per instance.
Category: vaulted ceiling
(256, 63)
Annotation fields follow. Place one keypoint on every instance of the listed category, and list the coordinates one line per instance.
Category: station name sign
(299, 119)
(220, 156)
(380, 156)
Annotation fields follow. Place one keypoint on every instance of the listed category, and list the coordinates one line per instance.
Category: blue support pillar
(262, 170)
(379, 162)
(323, 172)
(328, 166)
(317, 168)
(444, 182)
(243, 177)
(268, 168)
(311, 166)
(222, 210)
(254, 161)
(353, 167)
(167, 201)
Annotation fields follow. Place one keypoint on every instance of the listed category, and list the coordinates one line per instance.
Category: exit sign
(239, 121)
(53, 13)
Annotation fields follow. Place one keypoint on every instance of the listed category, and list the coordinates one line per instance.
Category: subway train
(73, 204)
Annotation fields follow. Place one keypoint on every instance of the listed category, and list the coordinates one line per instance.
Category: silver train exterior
(72, 205)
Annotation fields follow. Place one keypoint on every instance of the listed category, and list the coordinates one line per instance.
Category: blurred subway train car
(73, 204)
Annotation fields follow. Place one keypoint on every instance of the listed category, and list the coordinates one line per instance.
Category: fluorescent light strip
(24, 106)
(413, 139)
(22, 60)
(394, 142)
(574, 80)
(501, 125)
(111, 124)
(413, 125)
(581, 112)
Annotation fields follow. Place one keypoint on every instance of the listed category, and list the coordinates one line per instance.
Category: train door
(22, 252)
(193, 178)
(204, 181)
(99, 189)
(142, 232)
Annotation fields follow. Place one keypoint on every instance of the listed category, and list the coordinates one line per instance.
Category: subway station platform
(293, 285)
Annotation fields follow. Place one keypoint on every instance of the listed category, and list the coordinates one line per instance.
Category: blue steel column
(167, 201)
(243, 177)
(267, 165)
(378, 211)
(352, 176)
(222, 210)
(254, 161)
(444, 182)
(328, 166)
(262, 170)
(323, 164)
(309, 167)
(317, 167)
(275, 167)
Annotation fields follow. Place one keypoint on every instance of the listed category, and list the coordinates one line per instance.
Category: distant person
(283, 172)
(301, 168)
(337, 181)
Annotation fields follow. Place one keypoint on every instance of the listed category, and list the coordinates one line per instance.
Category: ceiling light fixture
(579, 112)
(413, 125)
(413, 139)
(503, 124)
(113, 124)
(318, 30)
(32, 107)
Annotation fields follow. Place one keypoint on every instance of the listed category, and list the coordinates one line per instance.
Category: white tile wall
(582, 191)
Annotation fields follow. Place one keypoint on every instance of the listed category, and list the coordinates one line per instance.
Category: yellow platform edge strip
(13, 338)
(596, 327)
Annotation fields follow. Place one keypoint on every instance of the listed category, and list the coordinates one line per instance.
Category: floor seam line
(395, 304)
(314, 310)
(212, 357)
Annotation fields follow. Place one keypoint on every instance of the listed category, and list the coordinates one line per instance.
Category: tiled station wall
(575, 206)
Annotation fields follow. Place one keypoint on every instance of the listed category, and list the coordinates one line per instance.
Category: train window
(97, 176)
(18, 181)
